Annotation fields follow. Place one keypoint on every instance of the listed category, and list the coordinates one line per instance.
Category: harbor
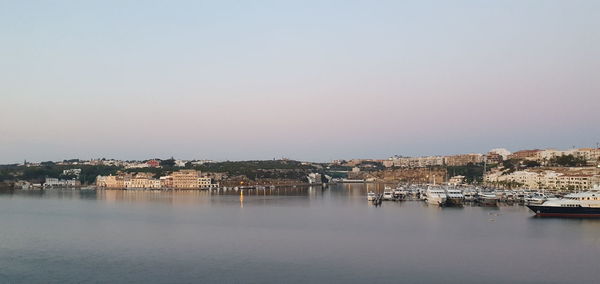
(327, 234)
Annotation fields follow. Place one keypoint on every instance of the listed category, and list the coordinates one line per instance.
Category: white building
(54, 182)
(546, 179)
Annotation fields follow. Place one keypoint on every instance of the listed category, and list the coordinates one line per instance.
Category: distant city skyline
(498, 150)
(307, 80)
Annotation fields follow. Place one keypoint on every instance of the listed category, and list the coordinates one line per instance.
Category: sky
(306, 80)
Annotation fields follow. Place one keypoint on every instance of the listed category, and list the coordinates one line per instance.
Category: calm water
(292, 236)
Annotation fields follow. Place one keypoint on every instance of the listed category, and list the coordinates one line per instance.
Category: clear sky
(308, 80)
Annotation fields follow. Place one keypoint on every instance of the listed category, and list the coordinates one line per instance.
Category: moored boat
(578, 205)
(487, 198)
(388, 195)
(371, 196)
(454, 197)
(436, 196)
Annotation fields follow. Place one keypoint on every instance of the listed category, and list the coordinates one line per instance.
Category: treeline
(50, 170)
(275, 169)
(282, 169)
(472, 172)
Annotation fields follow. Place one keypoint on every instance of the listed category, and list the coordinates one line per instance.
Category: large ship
(579, 205)
(436, 196)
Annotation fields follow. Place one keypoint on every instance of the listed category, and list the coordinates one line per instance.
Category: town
(572, 169)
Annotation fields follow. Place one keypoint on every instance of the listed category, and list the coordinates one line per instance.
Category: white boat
(454, 197)
(371, 196)
(436, 196)
(487, 198)
(470, 195)
(538, 198)
(388, 195)
(400, 193)
(580, 205)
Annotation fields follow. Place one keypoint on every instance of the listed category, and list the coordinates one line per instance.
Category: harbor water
(291, 235)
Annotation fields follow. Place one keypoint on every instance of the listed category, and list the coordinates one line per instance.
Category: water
(294, 235)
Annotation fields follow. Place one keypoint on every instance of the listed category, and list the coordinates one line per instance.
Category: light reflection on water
(294, 235)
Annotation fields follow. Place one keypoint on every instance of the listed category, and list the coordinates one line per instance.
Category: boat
(487, 198)
(454, 197)
(436, 196)
(536, 198)
(509, 196)
(388, 195)
(371, 196)
(470, 195)
(578, 205)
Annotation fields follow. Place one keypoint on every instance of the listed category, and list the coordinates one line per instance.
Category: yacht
(371, 196)
(536, 198)
(470, 195)
(454, 197)
(388, 195)
(400, 193)
(436, 196)
(580, 205)
(487, 198)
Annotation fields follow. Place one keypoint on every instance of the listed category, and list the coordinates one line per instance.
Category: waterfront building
(206, 183)
(142, 180)
(186, 179)
(55, 182)
(111, 181)
(166, 181)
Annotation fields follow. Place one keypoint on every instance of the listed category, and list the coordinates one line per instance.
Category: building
(591, 155)
(463, 159)
(142, 180)
(493, 158)
(54, 182)
(206, 183)
(166, 181)
(525, 155)
(418, 162)
(111, 181)
(572, 179)
(153, 164)
(456, 180)
(502, 152)
(185, 179)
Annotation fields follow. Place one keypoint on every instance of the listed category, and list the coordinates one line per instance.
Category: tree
(567, 161)
(531, 164)
(168, 162)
